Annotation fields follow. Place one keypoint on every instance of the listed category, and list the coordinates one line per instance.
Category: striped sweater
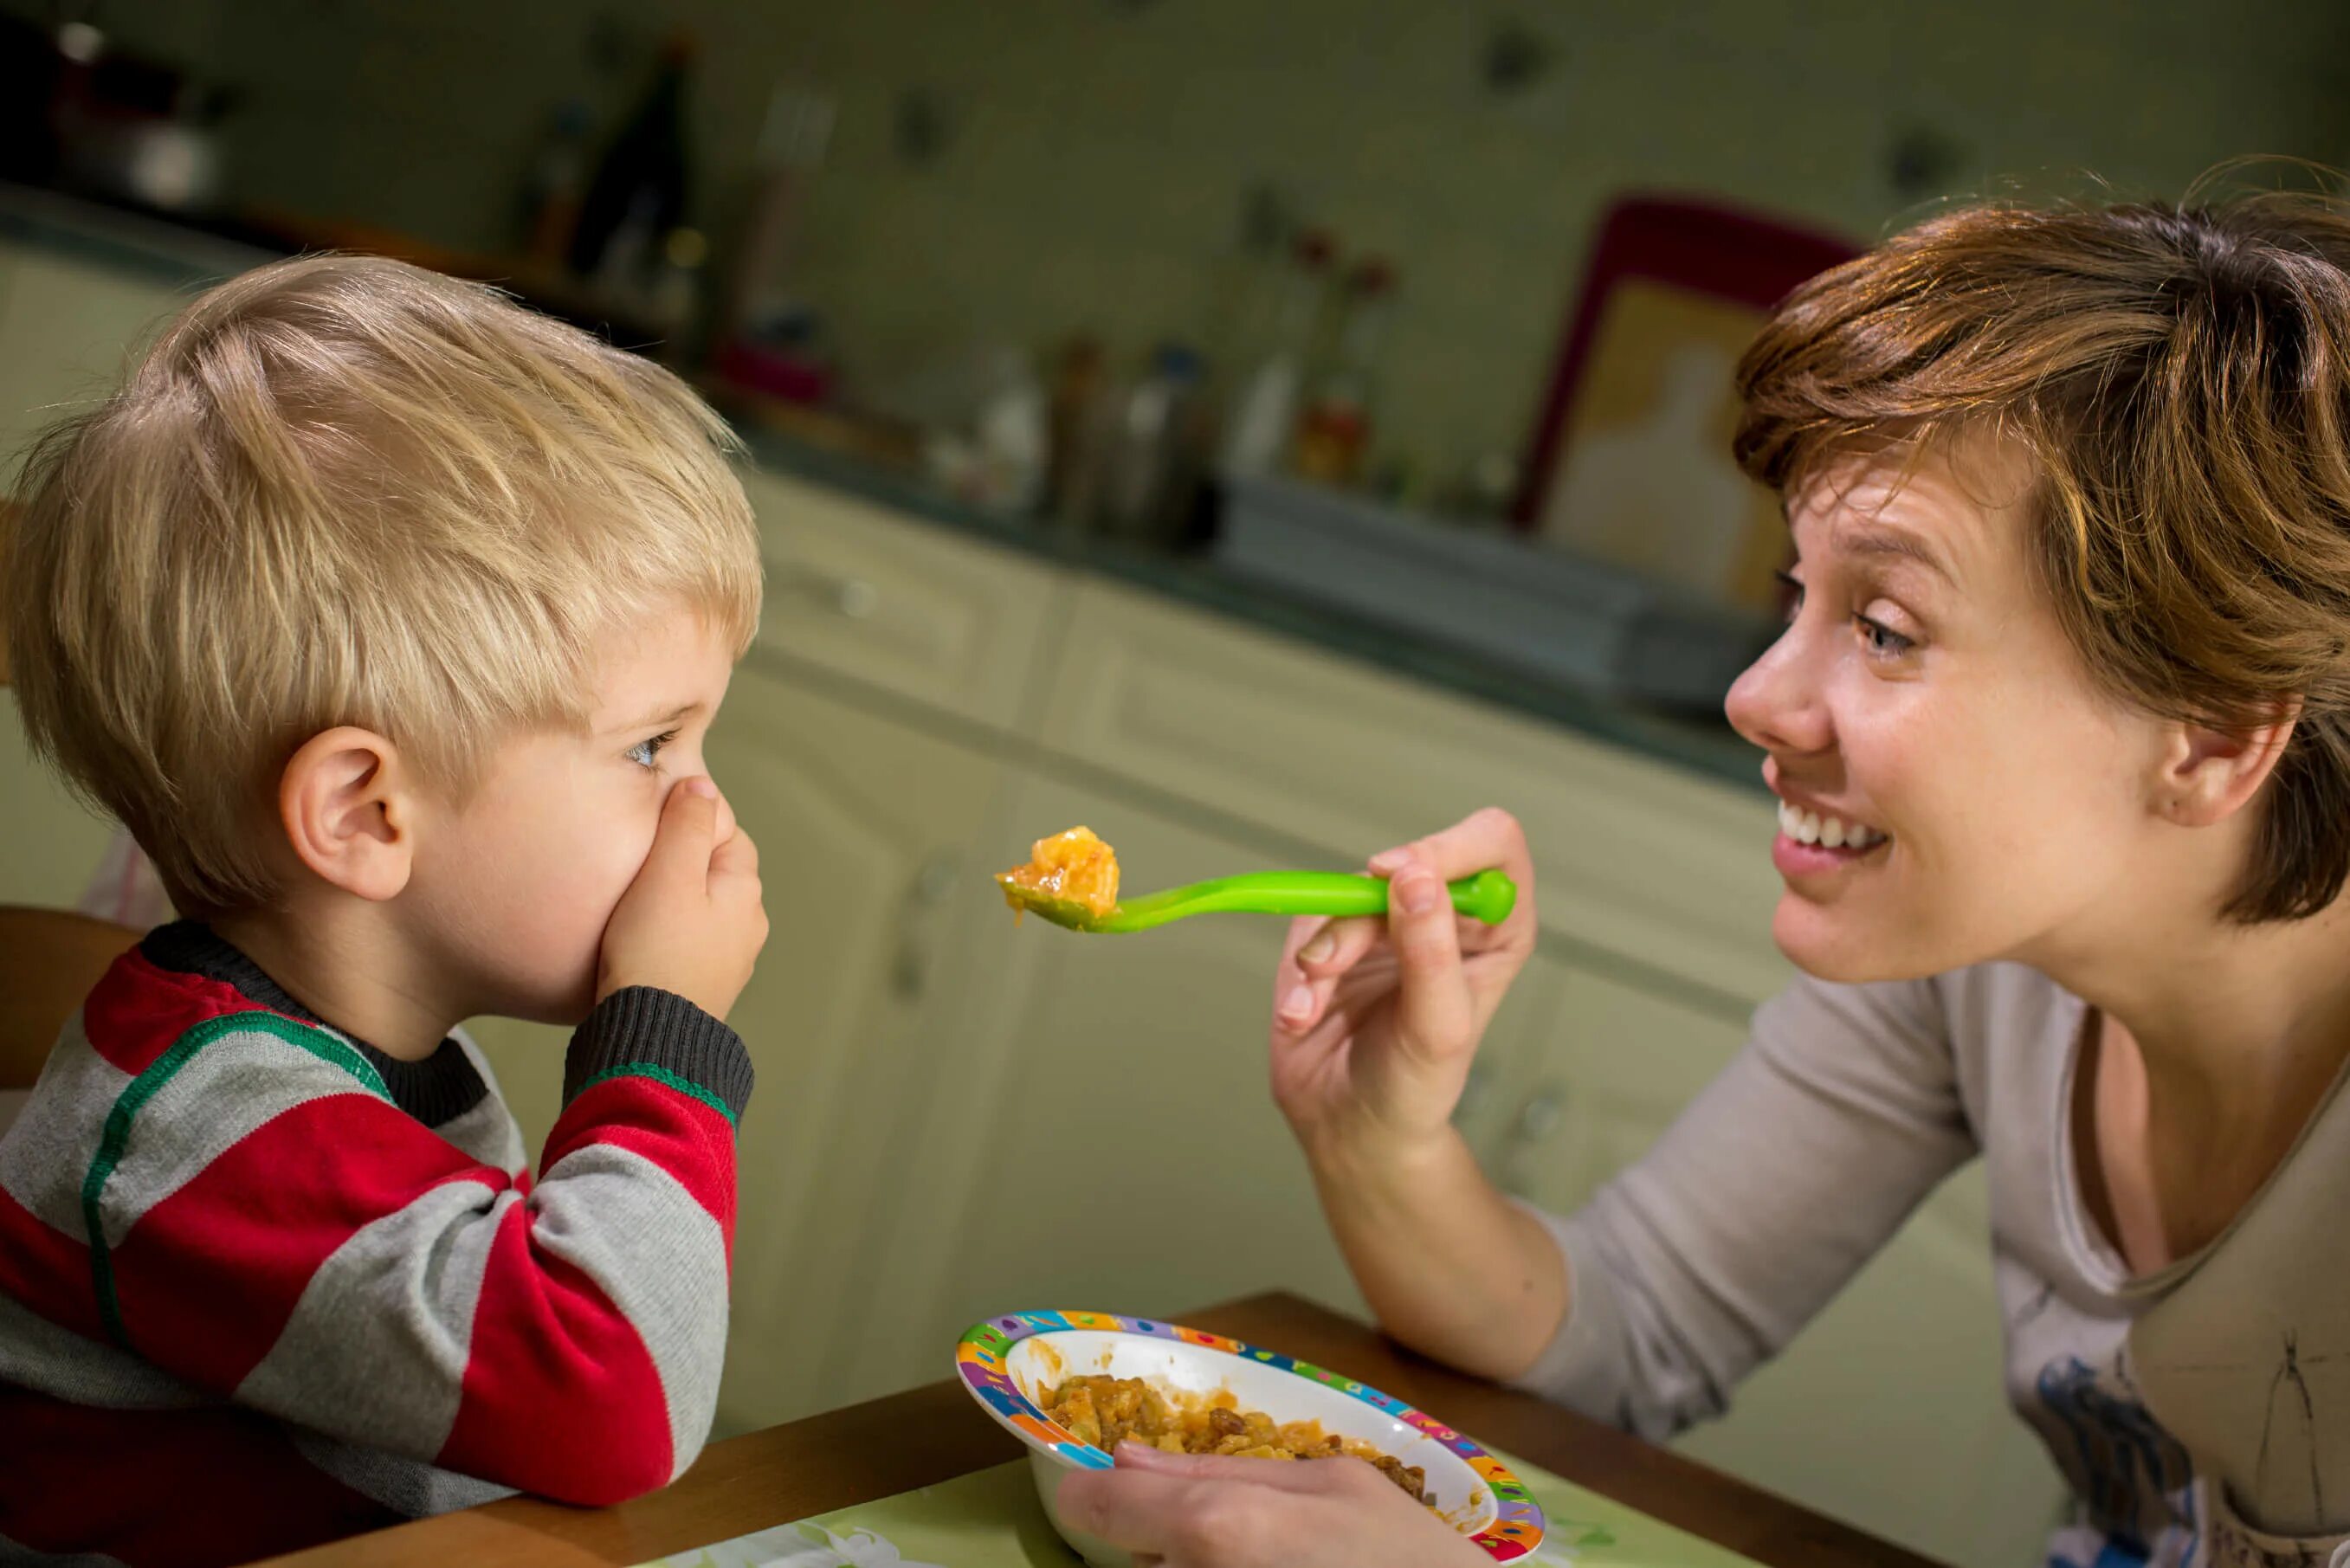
(262, 1285)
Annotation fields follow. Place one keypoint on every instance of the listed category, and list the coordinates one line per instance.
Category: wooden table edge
(936, 1432)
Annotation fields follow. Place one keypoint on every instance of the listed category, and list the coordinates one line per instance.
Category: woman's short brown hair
(2179, 378)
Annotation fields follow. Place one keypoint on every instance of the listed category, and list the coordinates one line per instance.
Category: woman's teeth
(1833, 832)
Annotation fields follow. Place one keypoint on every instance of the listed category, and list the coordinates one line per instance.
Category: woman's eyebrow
(1883, 539)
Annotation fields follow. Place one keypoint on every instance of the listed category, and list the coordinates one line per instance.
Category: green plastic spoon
(1489, 895)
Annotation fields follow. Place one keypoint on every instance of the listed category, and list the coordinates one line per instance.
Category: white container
(1527, 605)
(1009, 1377)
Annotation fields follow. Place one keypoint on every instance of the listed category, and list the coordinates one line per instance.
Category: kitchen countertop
(191, 256)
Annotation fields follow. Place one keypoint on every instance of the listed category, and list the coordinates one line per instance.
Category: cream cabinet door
(1101, 1133)
(1889, 1410)
(66, 333)
(867, 594)
(864, 830)
(49, 842)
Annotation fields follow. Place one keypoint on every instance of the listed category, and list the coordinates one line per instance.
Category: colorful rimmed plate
(1007, 1361)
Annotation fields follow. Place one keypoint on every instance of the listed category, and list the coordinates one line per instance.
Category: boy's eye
(647, 754)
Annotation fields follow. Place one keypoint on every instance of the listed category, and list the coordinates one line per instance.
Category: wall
(1101, 146)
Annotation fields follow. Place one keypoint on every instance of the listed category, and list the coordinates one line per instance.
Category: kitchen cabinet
(68, 329)
(1100, 1134)
(49, 842)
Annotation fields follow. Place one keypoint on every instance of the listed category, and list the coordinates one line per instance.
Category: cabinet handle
(925, 892)
(1541, 1115)
(839, 592)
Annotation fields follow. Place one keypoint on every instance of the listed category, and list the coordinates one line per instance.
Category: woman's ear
(348, 810)
(2209, 775)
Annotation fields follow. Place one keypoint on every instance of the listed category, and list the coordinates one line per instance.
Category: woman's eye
(1792, 591)
(1882, 639)
(647, 754)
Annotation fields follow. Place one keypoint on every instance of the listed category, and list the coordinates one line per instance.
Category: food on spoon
(1073, 869)
(1108, 1411)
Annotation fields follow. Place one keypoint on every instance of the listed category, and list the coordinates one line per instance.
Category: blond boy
(391, 618)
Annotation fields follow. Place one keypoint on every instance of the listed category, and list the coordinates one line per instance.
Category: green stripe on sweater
(683, 1084)
(116, 1140)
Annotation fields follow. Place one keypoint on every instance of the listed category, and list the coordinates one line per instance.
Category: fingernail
(1420, 894)
(1387, 859)
(702, 785)
(1298, 1005)
(1319, 950)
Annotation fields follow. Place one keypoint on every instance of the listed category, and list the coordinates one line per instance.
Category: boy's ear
(348, 808)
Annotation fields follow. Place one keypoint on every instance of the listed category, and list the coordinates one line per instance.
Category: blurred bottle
(639, 193)
(1156, 450)
(555, 184)
(1335, 429)
(792, 140)
(1263, 416)
(1083, 413)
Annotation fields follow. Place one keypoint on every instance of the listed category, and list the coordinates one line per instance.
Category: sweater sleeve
(274, 1230)
(1701, 1260)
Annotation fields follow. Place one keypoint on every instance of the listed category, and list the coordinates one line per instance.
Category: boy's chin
(563, 1009)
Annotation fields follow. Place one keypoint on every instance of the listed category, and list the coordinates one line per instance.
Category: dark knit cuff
(659, 1034)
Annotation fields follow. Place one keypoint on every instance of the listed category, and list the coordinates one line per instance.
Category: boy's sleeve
(274, 1229)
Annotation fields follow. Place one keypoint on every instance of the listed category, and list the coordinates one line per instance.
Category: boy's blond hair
(341, 490)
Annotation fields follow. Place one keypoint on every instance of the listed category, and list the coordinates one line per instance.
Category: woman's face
(1986, 801)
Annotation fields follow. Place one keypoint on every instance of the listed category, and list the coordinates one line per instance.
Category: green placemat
(992, 1518)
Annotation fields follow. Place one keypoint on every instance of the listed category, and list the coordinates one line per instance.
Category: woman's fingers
(1435, 1014)
(1317, 956)
(1487, 838)
(1206, 1510)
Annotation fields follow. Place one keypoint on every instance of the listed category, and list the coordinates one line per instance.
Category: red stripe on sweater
(45, 1270)
(208, 1276)
(561, 1397)
(138, 1011)
(683, 1136)
(165, 1489)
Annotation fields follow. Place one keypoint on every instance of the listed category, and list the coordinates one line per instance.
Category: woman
(2061, 728)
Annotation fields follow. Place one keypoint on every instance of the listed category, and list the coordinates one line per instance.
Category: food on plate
(1108, 1411)
(1073, 868)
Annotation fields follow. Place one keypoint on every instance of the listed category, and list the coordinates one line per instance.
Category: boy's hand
(691, 922)
(1375, 1022)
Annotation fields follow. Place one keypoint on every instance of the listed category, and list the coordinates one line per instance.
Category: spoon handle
(1489, 896)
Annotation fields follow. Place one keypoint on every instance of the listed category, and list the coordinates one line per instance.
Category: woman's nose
(1778, 704)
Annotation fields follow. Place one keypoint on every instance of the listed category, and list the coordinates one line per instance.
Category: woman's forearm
(1450, 1266)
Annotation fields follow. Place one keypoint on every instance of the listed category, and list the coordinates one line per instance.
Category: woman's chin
(1836, 945)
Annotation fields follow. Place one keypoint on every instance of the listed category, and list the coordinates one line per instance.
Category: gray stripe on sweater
(487, 1132)
(51, 1359)
(375, 1349)
(234, 1084)
(46, 1152)
(632, 1228)
(405, 1486)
